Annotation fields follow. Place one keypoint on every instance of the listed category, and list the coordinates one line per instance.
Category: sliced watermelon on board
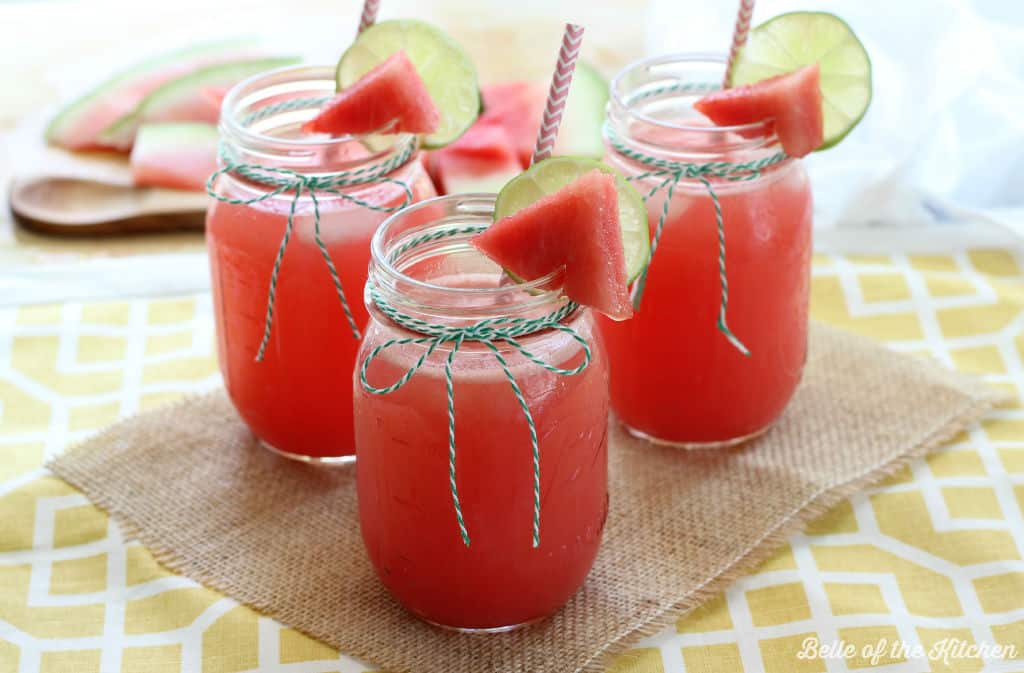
(78, 125)
(483, 141)
(575, 229)
(479, 161)
(177, 155)
(214, 95)
(482, 160)
(519, 106)
(793, 100)
(184, 99)
(391, 95)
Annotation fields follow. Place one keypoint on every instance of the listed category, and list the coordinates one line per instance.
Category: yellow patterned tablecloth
(933, 554)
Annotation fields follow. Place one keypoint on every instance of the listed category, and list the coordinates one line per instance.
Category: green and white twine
(284, 180)
(489, 332)
(671, 174)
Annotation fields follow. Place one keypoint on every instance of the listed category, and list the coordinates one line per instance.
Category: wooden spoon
(70, 205)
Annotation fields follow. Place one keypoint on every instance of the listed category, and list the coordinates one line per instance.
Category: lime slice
(447, 72)
(793, 40)
(552, 174)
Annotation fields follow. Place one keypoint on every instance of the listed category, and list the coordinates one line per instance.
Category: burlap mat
(189, 481)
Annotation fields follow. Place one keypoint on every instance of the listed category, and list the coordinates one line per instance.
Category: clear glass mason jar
(298, 399)
(474, 565)
(676, 375)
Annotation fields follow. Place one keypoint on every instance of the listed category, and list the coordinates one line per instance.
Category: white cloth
(943, 140)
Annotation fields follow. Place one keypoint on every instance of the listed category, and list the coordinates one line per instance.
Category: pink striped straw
(739, 37)
(559, 92)
(369, 15)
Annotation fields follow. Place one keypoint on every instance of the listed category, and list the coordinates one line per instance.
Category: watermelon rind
(548, 176)
(170, 149)
(121, 133)
(58, 130)
(179, 133)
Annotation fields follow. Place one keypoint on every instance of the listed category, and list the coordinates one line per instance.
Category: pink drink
(406, 509)
(298, 398)
(674, 376)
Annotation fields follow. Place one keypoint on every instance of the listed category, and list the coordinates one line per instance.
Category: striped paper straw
(739, 37)
(369, 15)
(559, 92)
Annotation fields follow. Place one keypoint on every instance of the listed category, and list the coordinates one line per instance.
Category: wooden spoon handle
(79, 207)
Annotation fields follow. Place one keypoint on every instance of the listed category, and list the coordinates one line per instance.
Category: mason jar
(717, 347)
(289, 243)
(481, 427)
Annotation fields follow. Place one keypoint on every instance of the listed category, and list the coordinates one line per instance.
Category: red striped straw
(559, 92)
(369, 15)
(739, 37)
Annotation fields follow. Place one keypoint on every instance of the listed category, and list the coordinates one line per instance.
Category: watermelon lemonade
(477, 566)
(297, 400)
(675, 377)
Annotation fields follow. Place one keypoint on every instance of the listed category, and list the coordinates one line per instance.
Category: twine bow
(672, 173)
(489, 332)
(284, 180)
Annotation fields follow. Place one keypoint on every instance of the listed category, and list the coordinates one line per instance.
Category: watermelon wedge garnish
(792, 100)
(440, 64)
(79, 124)
(181, 155)
(576, 230)
(184, 99)
(390, 97)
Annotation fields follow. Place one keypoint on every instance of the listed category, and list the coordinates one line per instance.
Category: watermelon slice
(78, 125)
(184, 99)
(519, 106)
(390, 95)
(481, 161)
(793, 100)
(575, 229)
(214, 95)
(179, 155)
(483, 141)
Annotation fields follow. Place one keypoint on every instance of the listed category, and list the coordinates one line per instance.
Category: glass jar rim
(460, 208)
(623, 100)
(280, 81)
